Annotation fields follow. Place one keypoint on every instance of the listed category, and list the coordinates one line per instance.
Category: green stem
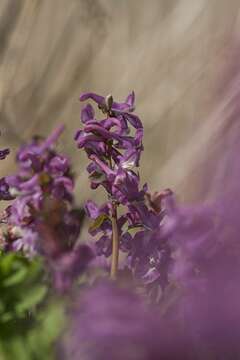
(115, 244)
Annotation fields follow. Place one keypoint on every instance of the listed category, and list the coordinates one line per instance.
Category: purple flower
(27, 242)
(69, 265)
(93, 211)
(205, 245)
(119, 325)
(42, 174)
(107, 103)
(114, 146)
(58, 232)
(103, 138)
(58, 165)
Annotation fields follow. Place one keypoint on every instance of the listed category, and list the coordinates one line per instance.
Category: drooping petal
(87, 114)
(100, 100)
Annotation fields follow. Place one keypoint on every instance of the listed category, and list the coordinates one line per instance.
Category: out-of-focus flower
(114, 323)
(42, 174)
(69, 266)
(204, 240)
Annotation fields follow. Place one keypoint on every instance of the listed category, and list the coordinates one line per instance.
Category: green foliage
(29, 322)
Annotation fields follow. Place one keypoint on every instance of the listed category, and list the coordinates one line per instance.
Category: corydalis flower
(42, 173)
(107, 142)
(114, 146)
(122, 111)
(41, 168)
(113, 152)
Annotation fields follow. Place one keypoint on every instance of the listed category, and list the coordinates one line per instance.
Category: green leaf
(31, 298)
(16, 278)
(6, 262)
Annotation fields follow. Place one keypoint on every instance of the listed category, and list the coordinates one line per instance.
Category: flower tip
(82, 97)
(130, 100)
(86, 96)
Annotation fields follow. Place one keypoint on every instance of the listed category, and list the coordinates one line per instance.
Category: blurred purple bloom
(27, 242)
(58, 229)
(119, 325)
(69, 265)
(42, 174)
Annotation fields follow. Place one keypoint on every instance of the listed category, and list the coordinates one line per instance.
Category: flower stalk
(115, 244)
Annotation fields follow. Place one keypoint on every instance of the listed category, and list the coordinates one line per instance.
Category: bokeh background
(176, 54)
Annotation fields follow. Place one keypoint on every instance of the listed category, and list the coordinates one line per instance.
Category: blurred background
(175, 54)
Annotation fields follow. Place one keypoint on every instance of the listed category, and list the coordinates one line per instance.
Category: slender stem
(115, 235)
(115, 243)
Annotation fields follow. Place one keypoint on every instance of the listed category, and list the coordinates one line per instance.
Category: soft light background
(173, 53)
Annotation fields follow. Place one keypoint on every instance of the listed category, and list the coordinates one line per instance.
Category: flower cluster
(42, 173)
(110, 147)
(114, 145)
(41, 219)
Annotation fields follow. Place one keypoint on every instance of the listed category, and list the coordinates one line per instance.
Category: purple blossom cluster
(112, 150)
(41, 219)
(42, 173)
(114, 145)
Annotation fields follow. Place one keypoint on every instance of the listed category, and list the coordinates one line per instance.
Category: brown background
(171, 52)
